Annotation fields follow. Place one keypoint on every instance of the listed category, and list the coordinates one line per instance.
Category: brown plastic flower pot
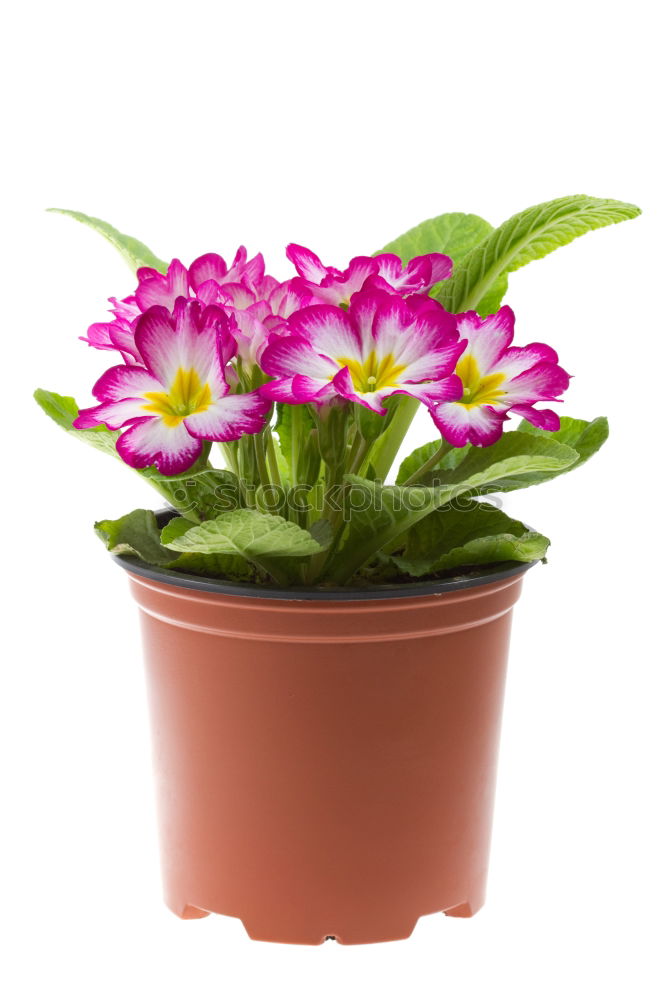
(325, 766)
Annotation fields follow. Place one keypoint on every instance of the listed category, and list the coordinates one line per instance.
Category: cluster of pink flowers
(207, 349)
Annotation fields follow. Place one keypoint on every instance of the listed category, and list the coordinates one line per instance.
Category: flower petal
(308, 265)
(329, 331)
(150, 441)
(547, 420)
(123, 382)
(487, 339)
(298, 389)
(288, 356)
(372, 400)
(208, 267)
(461, 425)
(157, 289)
(541, 381)
(229, 418)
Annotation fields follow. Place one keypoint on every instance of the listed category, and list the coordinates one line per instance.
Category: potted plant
(326, 652)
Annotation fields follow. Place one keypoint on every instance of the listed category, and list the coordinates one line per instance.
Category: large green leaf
(248, 533)
(527, 236)
(585, 436)
(455, 234)
(516, 453)
(377, 514)
(180, 491)
(477, 535)
(136, 533)
(133, 252)
(64, 411)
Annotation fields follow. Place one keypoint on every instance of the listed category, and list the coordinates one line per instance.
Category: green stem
(430, 464)
(388, 445)
(229, 457)
(272, 458)
(296, 421)
(262, 469)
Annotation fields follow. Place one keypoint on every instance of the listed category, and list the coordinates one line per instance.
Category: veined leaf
(136, 533)
(64, 411)
(478, 535)
(455, 234)
(247, 533)
(379, 514)
(516, 453)
(527, 236)
(133, 252)
(585, 436)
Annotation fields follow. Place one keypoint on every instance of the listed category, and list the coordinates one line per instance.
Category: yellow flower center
(478, 389)
(371, 374)
(187, 395)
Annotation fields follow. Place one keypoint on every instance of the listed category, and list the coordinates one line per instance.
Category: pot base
(391, 928)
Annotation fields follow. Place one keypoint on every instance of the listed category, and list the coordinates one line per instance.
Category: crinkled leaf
(455, 234)
(248, 533)
(378, 514)
(234, 568)
(205, 492)
(585, 436)
(524, 237)
(478, 535)
(174, 528)
(136, 533)
(133, 252)
(516, 453)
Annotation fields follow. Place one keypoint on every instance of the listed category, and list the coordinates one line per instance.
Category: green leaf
(136, 533)
(478, 535)
(455, 234)
(516, 453)
(174, 528)
(420, 456)
(234, 568)
(379, 514)
(527, 236)
(133, 252)
(203, 491)
(250, 534)
(64, 410)
(585, 436)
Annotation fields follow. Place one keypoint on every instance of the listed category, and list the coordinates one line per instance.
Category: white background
(196, 127)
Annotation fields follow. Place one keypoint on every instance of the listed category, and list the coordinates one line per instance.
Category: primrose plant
(308, 387)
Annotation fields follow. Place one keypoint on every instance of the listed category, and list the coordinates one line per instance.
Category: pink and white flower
(208, 279)
(177, 396)
(498, 380)
(380, 347)
(118, 335)
(385, 271)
